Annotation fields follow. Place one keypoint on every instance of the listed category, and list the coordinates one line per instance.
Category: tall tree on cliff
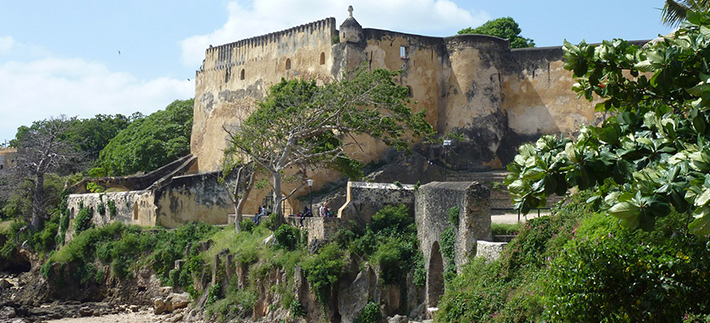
(237, 178)
(505, 28)
(149, 143)
(41, 150)
(300, 125)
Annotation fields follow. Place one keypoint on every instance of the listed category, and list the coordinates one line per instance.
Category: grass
(4, 225)
(505, 228)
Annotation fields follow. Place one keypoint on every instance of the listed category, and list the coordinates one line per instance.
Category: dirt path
(139, 317)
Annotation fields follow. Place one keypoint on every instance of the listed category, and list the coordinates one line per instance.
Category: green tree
(151, 142)
(505, 28)
(653, 153)
(674, 12)
(300, 124)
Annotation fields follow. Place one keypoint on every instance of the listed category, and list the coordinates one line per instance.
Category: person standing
(322, 211)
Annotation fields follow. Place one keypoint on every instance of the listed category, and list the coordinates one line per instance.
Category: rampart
(472, 85)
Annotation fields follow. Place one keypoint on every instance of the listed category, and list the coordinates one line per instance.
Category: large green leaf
(701, 224)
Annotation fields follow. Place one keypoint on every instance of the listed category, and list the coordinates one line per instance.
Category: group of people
(324, 212)
(263, 211)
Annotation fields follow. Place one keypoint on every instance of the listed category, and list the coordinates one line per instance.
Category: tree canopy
(151, 142)
(301, 124)
(653, 152)
(505, 28)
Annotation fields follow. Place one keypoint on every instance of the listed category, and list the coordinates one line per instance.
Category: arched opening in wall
(135, 211)
(435, 276)
(409, 91)
(288, 64)
(241, 75)
(322, 58)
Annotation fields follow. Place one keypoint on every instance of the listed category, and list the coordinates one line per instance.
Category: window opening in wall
(241, 74)
(322, 58)
(403, 52)
(409, 91)
(288, 64)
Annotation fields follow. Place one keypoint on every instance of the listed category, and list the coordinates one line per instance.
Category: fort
(476, 86)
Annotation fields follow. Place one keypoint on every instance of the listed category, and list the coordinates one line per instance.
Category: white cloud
(6, 43)
(36, 90)
(257, 17)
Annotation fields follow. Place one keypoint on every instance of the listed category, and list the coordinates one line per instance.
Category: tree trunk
(37, 222)
(277, 199)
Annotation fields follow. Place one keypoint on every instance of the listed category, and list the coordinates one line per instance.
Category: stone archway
(435, 276)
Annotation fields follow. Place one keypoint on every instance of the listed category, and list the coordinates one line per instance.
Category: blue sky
(62, 57)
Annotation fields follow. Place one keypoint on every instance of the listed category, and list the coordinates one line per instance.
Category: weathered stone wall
(432, 202)
(235, 75)
(365, 199)
(132, 207)
(192, 198)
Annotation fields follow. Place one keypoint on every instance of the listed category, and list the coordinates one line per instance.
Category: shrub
(453, 215)
(296, 309)
(324, 269)
(101, 208)
(112, 208)
(247, 225)
(82, 221)
(395, 257)
(608, 272)
(369, 314)
(392, 220)
(287, 237)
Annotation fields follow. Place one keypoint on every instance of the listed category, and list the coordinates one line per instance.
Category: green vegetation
(370, 314)
(651, 156)
(505, 228)
(149, 143)
(505, 28)
(124, 249)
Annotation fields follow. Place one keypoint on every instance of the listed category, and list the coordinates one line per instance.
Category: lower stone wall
(192, 198)
(132, 207)
(365, 199)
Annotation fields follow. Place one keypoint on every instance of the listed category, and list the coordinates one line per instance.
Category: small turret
(350, 29)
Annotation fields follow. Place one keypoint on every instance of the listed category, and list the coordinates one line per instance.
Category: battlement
(224, 54)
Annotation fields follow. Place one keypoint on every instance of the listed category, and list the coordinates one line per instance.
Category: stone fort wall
(474, 85)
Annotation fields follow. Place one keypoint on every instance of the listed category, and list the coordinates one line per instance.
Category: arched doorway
(435, 276)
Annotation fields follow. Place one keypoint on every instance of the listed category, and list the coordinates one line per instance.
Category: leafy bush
(369, 314)
(323, 270)
(101, 208)
(82, 221)
(453, 215)
(608, 272)
(392, 220)
(112, 208)
(247, 225)
(287, 237)
(296, 309)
